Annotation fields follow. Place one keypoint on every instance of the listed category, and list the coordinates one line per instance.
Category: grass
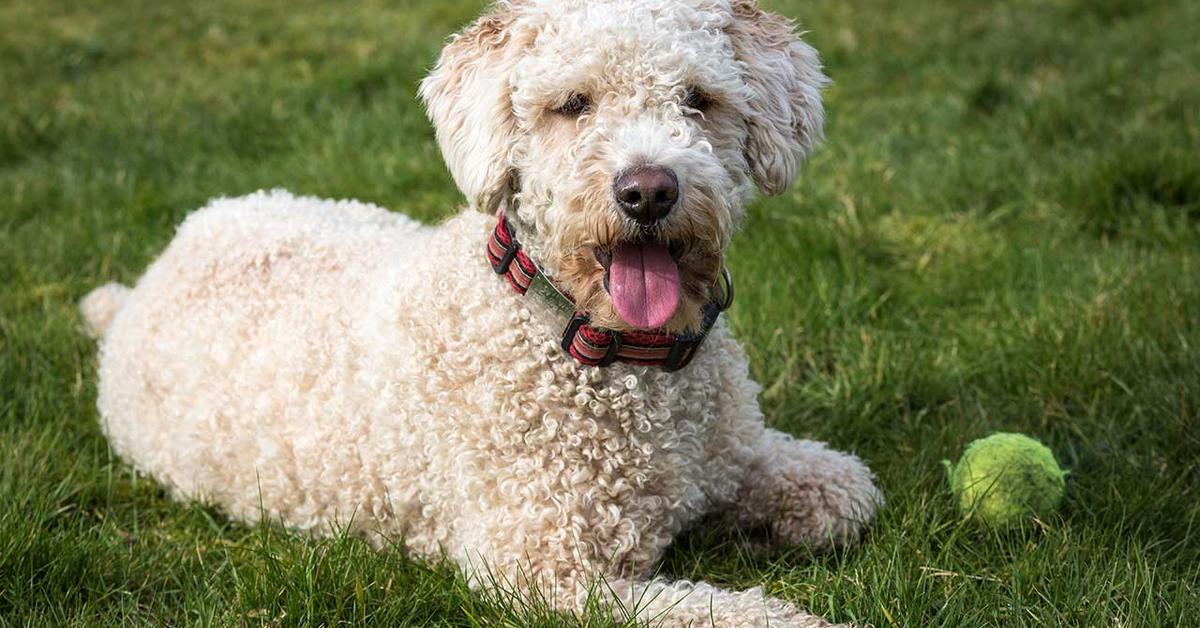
(1001, 233)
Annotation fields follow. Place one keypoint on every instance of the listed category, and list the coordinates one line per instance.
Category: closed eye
(576, 105)
(696, 100)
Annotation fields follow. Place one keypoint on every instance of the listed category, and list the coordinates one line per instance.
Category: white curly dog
(539, 388)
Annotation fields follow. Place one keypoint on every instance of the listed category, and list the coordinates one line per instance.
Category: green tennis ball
(1006, 479)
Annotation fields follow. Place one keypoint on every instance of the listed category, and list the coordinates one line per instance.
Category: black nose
(646, 193)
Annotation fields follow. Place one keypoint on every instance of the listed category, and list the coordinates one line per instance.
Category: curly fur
(493, 91)
(326, 364)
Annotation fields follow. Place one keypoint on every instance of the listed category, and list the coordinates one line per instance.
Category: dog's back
(215, 364)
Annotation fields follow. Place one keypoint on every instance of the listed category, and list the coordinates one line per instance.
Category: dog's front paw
(754, 608)
(701, 605)
(806, 493)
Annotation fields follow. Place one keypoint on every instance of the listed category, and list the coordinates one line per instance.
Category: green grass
(1001, 233)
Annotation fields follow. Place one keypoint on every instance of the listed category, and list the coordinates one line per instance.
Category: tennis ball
(1006, 480)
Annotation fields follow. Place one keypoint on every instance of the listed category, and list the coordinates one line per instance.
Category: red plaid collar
(596, 346)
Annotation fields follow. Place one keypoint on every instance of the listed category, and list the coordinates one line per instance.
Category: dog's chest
(477, 373)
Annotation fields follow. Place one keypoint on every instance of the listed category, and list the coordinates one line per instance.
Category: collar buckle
(686, 348)
(568, 339)
(578, 320)
(510, 251)
(682, 353)
(681, 356)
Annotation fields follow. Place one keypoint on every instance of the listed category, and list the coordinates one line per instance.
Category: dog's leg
(669, 604)
(805, 493)
(573, 585)
(699, 604)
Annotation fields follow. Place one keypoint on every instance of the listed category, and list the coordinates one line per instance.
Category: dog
(542, 388)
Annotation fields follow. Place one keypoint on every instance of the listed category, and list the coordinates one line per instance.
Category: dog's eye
(696, 100)
(577, 105)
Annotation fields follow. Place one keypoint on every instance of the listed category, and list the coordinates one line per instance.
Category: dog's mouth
(643, 280)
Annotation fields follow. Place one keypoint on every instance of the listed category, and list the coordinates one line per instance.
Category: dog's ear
(784, 115)
(467, 97)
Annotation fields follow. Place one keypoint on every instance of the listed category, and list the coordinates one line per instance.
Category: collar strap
(597, 346)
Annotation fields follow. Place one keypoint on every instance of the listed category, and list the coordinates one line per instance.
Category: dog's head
(623, 138)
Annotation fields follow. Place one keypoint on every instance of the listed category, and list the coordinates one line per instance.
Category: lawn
(1002, 232)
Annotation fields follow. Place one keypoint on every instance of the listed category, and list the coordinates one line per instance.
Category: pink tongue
(643, 281)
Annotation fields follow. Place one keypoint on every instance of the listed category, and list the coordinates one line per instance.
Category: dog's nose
(646, 193)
